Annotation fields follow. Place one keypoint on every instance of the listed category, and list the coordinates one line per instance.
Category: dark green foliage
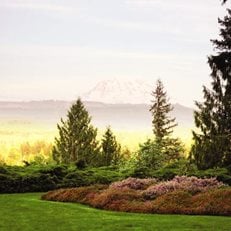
(80, 164)
(212, 145)
(178, 168)
(16, 179)
(111, 150)
(181, 167)
(77, 137)
(35, 178)
(172, 149)
(150, 155)
(222, 174)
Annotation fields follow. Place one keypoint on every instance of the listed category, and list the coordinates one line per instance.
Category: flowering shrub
(133, 183)
(182, 195)
(214, 202)
(190, 184)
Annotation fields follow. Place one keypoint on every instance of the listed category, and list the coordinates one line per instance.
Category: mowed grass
(27, 212)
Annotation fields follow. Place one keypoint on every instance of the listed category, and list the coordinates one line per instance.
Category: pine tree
(161, 122)
(212, 145)
(111, 150)
(77, 137)
(170, 148)
(164, 148)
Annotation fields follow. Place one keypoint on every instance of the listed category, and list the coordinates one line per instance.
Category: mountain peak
(120, 91)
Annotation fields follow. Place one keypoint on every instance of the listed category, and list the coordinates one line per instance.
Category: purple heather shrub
(134, 183)
(190, 184)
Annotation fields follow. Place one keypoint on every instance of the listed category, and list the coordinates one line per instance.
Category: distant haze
(119, 116)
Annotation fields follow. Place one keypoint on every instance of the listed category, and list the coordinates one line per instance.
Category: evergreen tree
(111, 150)
(161, 122)
(77, 137)
(164, 148)
(212, 145)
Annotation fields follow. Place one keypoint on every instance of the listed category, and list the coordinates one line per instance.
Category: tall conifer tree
(212, 145)
(161, 122)
(164, 148)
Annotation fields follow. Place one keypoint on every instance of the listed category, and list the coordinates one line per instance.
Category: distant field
(15, 133)
(35, 123)
(25, 212)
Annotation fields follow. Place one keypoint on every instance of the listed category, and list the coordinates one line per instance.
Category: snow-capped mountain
(120, 92)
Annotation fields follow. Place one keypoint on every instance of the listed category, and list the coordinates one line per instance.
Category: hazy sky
(59, 49)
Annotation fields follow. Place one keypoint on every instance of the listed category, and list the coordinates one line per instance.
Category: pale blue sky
(59, 49)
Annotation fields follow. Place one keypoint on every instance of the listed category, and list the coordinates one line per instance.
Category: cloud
(37, 6)
(75, 51)
(75, 68)
(197, 5)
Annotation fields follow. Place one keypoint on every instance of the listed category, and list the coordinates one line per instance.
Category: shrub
(37, 178)
(114, 199)
(213, 202)
(133, 183)
(80, 164)
(222, 174)
(81, 194)
(190, 184)
(3, 170)
(174, 202)
(58, 171)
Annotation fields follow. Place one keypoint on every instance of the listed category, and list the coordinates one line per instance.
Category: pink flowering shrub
(133, 183)
(192, 185)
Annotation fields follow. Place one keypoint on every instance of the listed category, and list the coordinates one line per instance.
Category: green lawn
(27, 212)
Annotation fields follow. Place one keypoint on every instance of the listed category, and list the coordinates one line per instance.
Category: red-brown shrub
(172, 203)
(210, 200)
(215, 202)
(107, 197)
(81, 194)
